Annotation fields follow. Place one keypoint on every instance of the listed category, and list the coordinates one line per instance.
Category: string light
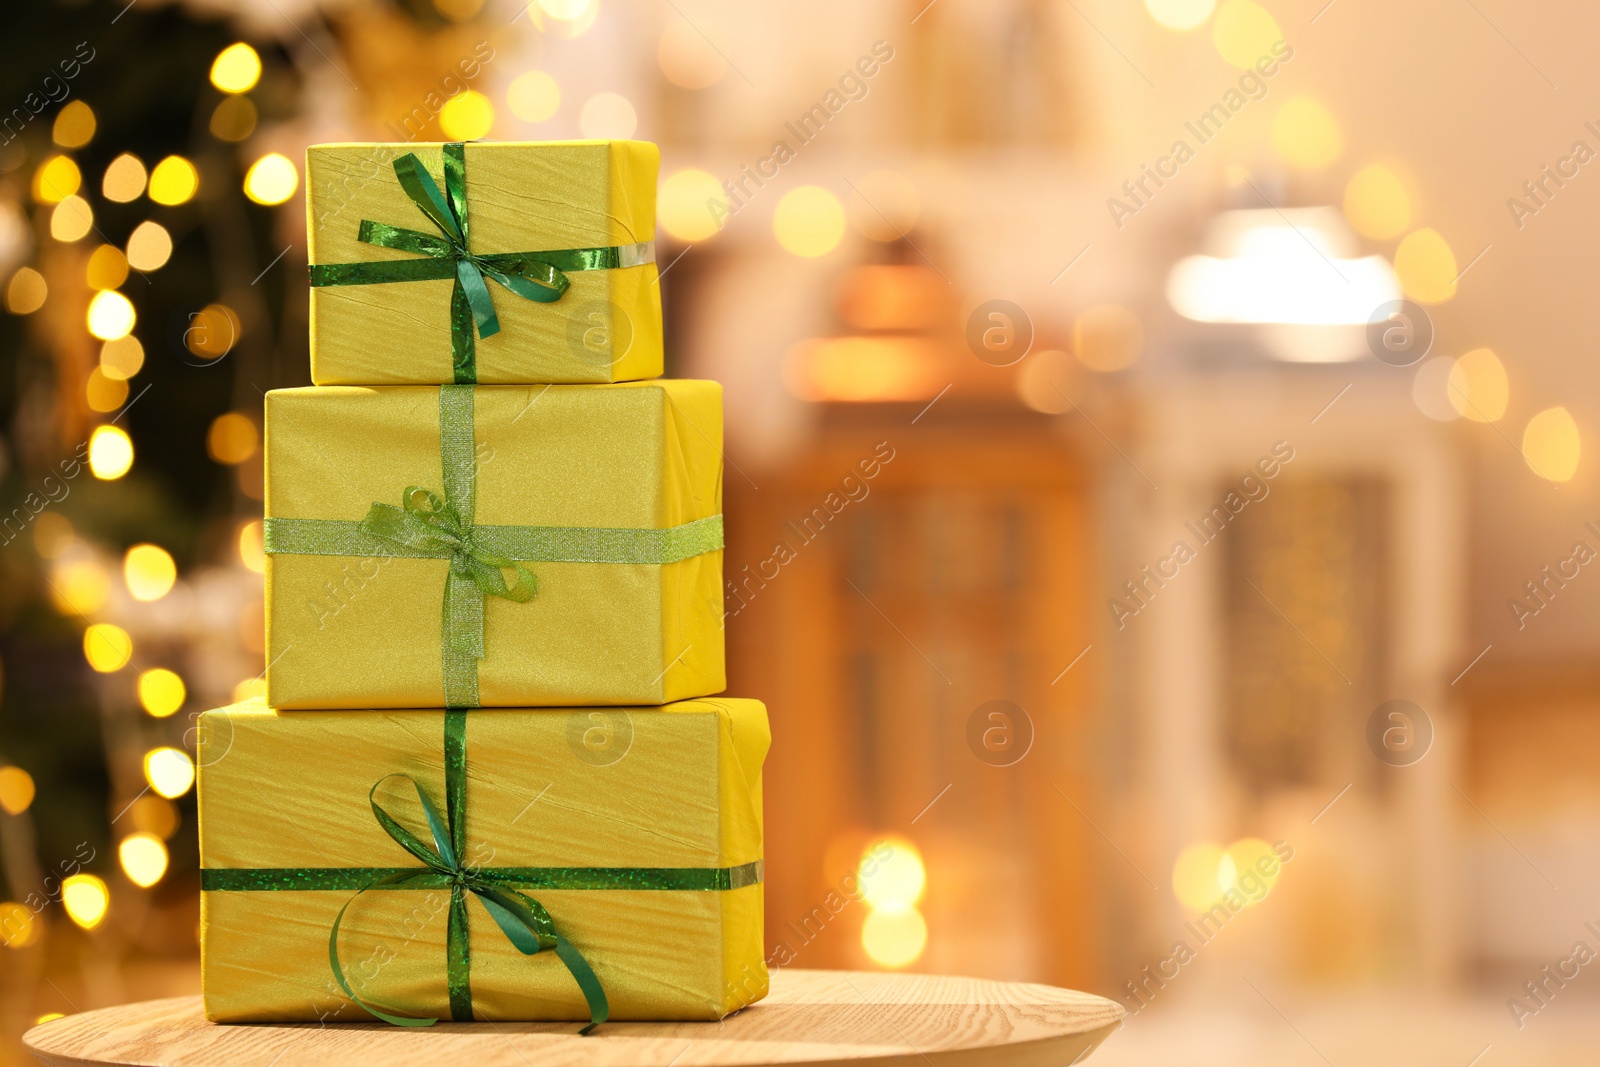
(173, 181)
(71, 220)
(86, 899)
(691, 205)
(122, 357)
(56, 179)
(161, 692)
(608, 117)
(236, 69)
(124, 179)
(149, 572)
(149, 246)
(16, 790)
(107, 269)
(232, 438)
(74, 125)
(110, 453)
(169, 771)
(1551, 444)
(111, 315)
(467, 116)
(809, 221)
(26, 292)
(143, 857)
(272, 179)
(19, 928)
(107, 647)
(533, 96)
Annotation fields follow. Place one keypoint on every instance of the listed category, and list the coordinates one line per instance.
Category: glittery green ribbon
(428, 526)
(536, 276)
(523, 920)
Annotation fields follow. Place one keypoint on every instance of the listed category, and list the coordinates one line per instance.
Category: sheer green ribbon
(523, 920)
(428, 526)
(536, 276)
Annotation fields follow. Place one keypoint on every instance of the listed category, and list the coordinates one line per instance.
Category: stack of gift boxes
(488, 780)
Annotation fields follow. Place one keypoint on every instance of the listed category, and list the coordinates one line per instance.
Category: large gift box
(493, 263)
(461, 546)
(528, 864)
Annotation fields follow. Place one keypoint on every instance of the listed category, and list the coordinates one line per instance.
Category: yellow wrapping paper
(367, 632)
(521, 197)
(677, 786)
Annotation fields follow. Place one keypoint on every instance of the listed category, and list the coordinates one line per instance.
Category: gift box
(528, 864)
(483, 262)
(463, 546)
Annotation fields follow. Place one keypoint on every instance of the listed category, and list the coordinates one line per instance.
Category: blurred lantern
(1180, 15)
(234, 118)
(1244, 32)
(691, 205)
(272, 179)
(1376, 203)
(149, 246)
(86, 899)
(1306, 134)
(74, 125)
(687, 58)
(809, 221)
(894, 938)
(1550, 444)
(124, 179)
(144, 858)
(252, 551)
(121, 357)
(71, 220)
(110, 453)
(173, 181)
(107, 647)
(169, 771)
(111, 315)
(1426, 266)
(533, 96)
(236, 69)
(108, 268)
(883, 205)
(26, 292)
(19, 927)
(1478, 386)
(467, 116)
(232, 438)
(56, 179)
(608, 116)
(161, 692)
(149, 572)
(16, 790)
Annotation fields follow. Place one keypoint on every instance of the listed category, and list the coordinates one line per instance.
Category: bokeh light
(1479, 388)
(212, 331)
(107, 269)
(122, 357)
(1180, 14)
(71, 220)
(809, 221)
(169, 771)
(1305, 134)
(1107, 337)
(691, 205)
(149, 246)
(1244, 866)
(250, 689)
(272, 179)
(252, 547)
(234, 118)
(232, 438)
(143, 857)
(1042, 381)
(1426, 267)
(1195, 875)
(1244, 32)
(19, 927)
(56, 179)
(154, 815)
(883, 205)
(16, 790)
(103, 393)
(894, 938)
(161, 692)
(149, 572)
(110, 453)
(111, 315)
(892, 882)
(467, 116)
(1376, 203)
(86, 899)
(1430, 389)
(173, 181)
(1551, 445)
(79, 586)
(107, 647)
(608, 117)
(236, 69)
(124, 179)
(687, 59)
(26, 292)
(74, 126)
(566, 10)
(533, 96)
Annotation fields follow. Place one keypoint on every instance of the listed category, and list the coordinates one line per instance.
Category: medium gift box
(523, 864)
(466, 546)
(494, 263)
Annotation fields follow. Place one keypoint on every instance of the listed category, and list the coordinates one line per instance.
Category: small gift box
(461, 546)
(527, 864)
(483, 262)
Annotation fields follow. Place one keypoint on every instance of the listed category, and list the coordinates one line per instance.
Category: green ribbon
(523, 920)
(428, 526)
(536, 276)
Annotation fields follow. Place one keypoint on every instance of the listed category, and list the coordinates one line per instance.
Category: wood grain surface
(811, 1017)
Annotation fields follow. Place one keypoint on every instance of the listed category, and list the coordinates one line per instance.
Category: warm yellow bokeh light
(1244, 32)
(144, 858)
(467, 116)
(1376, 203)
(687, 59)
(1195, 875)
(107, 269)
(252, 548)
(1042, 380)
(74, 125)
(1551, 445)
(1306, 134)
(26, 292)
(79, 586)
(124, 179)
(149, 246)
(169, 771)
(213, 331)
(250, 689)
(107, 647)
(86, 899)
(272, 179)
(232, 438)
(161, 692)
(19, 927)
(121, 358)
(1180, 14)
(173, 181)
(1107, 337)
(892, 882)
(71, 220)
(56, 179)
(234, 118)
(533, 96)
(566, 10)
(16, 790)
(883, 205)
(49, 1017)
(149, 572)
(1243, 867)
(809, 221)
(103, 393)
(154, 815)
(110, 453)
(894, 938)
(691, 205)
(236, 69)
(1426, 267)
(608, 117)
(1479, 388)
(111, 315)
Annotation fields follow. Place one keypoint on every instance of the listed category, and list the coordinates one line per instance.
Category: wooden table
(811, 1017)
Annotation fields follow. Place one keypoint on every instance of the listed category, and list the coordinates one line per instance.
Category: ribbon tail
(470, 277)
(338, 971)
(594, 993)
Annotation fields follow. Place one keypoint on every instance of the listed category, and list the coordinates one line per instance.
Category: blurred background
(1158, 487)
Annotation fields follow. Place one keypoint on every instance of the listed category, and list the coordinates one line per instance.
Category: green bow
(536, 276)
(524, 921)
(429, 524)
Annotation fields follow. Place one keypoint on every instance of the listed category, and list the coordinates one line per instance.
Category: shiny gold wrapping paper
(676, 786)
(349, 632)
(521, 197)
